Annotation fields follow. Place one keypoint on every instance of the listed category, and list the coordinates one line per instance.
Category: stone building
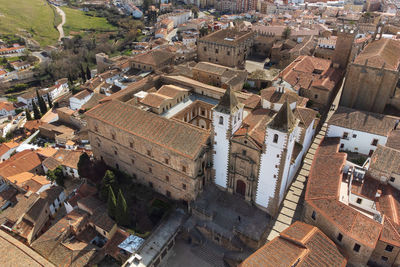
(168, 155)
(227, 47)
(311, 77)
(373, 76)
(343, 46)
(218, 75)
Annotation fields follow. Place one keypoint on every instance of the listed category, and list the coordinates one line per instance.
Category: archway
(240, 187)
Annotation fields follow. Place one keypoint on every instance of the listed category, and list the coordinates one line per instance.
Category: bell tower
(227, 119)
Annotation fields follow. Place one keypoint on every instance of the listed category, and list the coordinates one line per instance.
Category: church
(177, 135)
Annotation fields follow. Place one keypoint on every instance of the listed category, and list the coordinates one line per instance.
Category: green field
(28, 16)
(78, 21)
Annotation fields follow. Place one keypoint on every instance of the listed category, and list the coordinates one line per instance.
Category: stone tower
(275, 160)
(227, 119)
(344, 44)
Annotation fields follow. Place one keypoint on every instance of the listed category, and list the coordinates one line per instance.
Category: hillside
(28, 17)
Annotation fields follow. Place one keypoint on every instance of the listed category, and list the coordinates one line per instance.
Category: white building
(7, 109)
(258, 149)
(360, 131)
(79, 99)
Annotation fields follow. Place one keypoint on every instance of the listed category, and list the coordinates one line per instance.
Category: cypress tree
(83, 74)
(111, 203)
(28, 115)
(36, 112)
(122, 215)
(88, 74)
(42, 104)
(108, 180)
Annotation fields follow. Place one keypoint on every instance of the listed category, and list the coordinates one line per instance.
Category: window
(203, 112)
(96, 128)
(275, 138)
(132, 161)
(98, 144)
(184, 168)
(167, 178)
(384, 258)
(149, 153)
(392, 179)
(166, 161)
(340, 237)
(345, 135)
(354, 135)
(389, 248)
(228, 53)
(221, 120)
(151, 184)
(216, 51)
(115, 152)
(359, 200)
(168, 194)
(374, 142)
(131, 144)
(370, 152)
(184, 186)
(205, 49)
(104, 232)
(356, 247)
(315, 96)
(277, 155)
(244, 152)
(313, 215)
(341, 145)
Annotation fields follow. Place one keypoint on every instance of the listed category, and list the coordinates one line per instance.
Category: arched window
(275, 138)
(221, 120)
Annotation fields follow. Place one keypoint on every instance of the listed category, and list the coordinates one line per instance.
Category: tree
(88, 73)
(42, 104)
(108, 180)
(49, 100)
(111, 203)
(83, 74)
(203, 31)
(28, 115)
(195, 11)
(122, 215)
(83, 165)
(4, 61)
(286, 33)
(56, 175)
(36, 112)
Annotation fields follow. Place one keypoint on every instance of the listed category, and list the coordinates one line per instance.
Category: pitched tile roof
(385, 159)
(301, 245)
(393, 140)
(171, 134)
(272, 95)
(382, 52)
(307, 71)
(322, 193)
(23, 161)
(363, 121)
(153, 57)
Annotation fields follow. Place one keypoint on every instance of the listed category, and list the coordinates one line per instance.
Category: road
(60, 26)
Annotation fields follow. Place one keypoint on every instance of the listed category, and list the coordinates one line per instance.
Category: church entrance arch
(240, 188)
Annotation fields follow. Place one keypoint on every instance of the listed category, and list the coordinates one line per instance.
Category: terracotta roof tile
(363, 121)
(175, 136)
(23, 161)
(301, 245)
(382, 52)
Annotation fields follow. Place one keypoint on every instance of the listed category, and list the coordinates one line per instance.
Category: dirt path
(60, 26)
